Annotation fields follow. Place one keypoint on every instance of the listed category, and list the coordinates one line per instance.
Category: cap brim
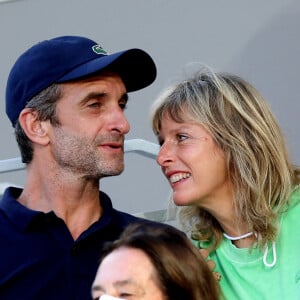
(135, 67)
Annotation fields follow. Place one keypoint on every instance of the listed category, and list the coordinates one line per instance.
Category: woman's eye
(182, 137)
(125, 295)
(160, 142)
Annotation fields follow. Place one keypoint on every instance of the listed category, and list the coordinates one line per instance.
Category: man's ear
(36, 130)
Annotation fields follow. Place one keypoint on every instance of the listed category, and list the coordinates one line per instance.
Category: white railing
(139, 146)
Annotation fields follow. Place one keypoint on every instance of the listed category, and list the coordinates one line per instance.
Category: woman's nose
(165, 154)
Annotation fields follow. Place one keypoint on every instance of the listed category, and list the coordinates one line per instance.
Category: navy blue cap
(68, 58)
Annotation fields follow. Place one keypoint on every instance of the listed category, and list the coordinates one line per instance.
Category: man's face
(90, 138)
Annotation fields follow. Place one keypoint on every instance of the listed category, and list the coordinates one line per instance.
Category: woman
(225, 158)
(154, 262)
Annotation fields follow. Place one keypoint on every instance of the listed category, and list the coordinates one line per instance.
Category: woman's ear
(35, 129)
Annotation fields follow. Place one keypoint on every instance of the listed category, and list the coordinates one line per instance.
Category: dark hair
(44, 104)
(182, 272)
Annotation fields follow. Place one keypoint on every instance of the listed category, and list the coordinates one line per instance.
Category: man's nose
(118, 121)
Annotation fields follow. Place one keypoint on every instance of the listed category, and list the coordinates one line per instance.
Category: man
(65, 98)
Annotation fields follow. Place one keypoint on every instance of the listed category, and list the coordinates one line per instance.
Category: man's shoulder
(118, 217)
(127, 218)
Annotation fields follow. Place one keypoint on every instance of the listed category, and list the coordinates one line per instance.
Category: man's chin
(110, 173)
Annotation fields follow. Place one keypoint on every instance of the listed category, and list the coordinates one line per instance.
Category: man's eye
(123, 105)
(94, 104)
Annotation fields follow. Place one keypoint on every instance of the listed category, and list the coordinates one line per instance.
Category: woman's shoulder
(292, 208)
(294, 201)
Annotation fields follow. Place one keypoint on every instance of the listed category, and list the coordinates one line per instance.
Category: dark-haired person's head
(157, 262)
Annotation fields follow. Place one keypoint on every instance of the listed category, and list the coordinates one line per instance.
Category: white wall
(257, 39)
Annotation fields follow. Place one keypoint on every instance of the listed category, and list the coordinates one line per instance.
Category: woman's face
(127, 273)
(194, 165)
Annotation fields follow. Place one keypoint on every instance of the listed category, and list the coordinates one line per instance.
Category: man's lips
(113, 145)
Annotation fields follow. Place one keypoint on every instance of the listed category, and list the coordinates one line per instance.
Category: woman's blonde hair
(243, 126)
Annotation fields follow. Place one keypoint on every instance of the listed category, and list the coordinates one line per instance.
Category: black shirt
(39, 258)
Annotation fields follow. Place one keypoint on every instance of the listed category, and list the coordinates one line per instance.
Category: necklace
(240, 237)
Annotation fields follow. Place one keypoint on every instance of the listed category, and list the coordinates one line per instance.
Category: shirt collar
(23, 217)
(18, 214)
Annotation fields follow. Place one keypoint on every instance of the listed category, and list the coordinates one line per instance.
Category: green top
(246, 276)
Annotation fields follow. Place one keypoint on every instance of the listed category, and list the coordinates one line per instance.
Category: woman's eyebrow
(128, 283)
(97, 288)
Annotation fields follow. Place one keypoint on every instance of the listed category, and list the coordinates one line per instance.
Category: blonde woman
(225, 158)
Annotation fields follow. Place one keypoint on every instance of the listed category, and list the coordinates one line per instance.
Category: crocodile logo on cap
(99, 50)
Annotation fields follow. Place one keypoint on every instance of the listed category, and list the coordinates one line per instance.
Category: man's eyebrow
(99, 95)
(93, 95)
